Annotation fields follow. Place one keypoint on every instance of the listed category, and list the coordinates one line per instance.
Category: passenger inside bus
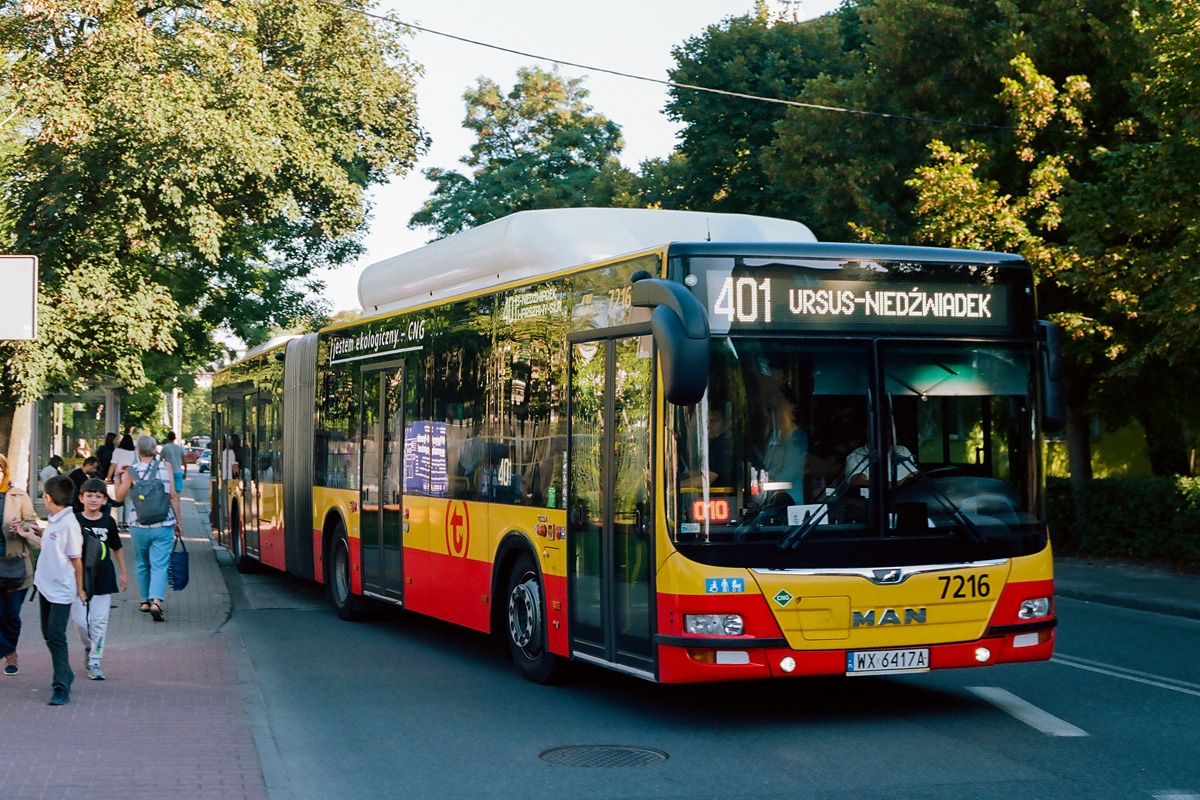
(787, 444)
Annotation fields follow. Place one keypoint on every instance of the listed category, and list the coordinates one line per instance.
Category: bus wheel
(526, 620)
(348, 606)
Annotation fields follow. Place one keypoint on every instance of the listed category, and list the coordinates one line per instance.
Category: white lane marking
(1183, 687)
(1176, 796)
(1028, 713)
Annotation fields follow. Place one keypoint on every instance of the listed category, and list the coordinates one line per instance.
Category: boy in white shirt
(58, 578)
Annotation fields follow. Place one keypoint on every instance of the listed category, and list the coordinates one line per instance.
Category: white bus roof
(533, 244)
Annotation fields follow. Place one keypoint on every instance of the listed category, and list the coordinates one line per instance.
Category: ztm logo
(458, 528)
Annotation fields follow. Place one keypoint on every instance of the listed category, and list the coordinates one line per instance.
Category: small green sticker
(783, 598)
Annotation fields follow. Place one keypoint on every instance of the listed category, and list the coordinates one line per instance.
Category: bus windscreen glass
(819, 453)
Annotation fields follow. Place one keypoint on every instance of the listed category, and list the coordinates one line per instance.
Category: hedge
(1144, 519)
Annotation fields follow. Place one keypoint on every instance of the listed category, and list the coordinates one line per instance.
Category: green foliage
(197, 413)
(1149, 519)
(538, 146)
(727, 141)
(185, 168)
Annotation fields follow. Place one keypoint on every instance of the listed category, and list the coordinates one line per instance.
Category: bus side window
(459, 395)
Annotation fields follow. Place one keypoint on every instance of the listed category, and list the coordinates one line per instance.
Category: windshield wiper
(966, 527)
(796, 535)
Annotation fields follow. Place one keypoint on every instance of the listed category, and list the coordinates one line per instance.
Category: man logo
(888, 617)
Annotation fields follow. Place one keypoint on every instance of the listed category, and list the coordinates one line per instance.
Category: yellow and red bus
(688, 447)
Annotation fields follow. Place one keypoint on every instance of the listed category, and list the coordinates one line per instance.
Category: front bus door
(611, 557)
(381, 538)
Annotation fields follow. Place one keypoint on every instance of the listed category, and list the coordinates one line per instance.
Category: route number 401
(964, 587)
(739, 300)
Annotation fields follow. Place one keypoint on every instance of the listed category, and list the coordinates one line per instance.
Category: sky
(634, 36)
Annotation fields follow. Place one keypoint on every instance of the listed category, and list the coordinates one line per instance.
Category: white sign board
(18, 297)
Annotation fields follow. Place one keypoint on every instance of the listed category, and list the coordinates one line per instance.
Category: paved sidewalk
(170, 721)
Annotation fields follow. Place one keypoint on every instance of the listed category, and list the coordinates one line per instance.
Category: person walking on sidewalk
(58, 578)
(15, 509)
(152, 542)
(173, 455)
(108, 575)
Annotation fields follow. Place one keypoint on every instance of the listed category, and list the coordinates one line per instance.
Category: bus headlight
(714, 624)
(1034, 608)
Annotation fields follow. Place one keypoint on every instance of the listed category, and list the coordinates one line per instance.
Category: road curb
(1132, 603)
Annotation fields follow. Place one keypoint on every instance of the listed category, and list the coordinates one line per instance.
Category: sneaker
(95, 673)
(60, 697)
(10, 664)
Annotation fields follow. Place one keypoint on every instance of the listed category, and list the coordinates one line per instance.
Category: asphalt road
(405, 706)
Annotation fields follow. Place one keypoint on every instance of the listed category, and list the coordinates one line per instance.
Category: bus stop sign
(18, 303)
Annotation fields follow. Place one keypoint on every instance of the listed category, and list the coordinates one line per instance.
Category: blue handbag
(177, 567)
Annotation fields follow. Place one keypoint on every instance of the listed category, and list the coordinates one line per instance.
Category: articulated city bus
(688, 447)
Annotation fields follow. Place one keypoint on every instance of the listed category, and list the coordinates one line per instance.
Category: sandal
(156, 611)
(144, 606)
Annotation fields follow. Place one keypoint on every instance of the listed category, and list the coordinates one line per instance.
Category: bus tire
(237, 544)
(525, 624)
(341, 592)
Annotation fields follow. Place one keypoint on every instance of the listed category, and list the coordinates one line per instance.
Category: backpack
(94, 553)
(150, 499)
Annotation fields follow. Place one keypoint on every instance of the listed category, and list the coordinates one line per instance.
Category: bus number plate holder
(887, 662)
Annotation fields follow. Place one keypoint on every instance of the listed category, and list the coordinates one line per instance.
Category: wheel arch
(329, 526)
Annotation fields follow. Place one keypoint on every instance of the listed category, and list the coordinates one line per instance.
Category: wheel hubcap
(524, 615)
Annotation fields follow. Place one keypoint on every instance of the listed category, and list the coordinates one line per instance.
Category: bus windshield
(812, 453)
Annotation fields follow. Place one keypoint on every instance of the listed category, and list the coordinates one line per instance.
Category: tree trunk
(18, 430)
(1079, 442)
(1166, 440)
(6, 421)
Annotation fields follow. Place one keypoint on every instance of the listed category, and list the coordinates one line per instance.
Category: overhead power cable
(723, 92)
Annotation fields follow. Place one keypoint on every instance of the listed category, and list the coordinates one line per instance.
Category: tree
(185, 167)
(1107, 218)
(726, 140)
(538, 146)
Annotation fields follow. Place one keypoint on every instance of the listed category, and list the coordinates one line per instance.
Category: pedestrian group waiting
(81, 564)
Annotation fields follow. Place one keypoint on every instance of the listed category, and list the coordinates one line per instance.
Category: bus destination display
(788, 300)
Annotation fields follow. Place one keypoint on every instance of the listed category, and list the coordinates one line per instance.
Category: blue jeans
(10, 620)
(151, 553)
(55, 617)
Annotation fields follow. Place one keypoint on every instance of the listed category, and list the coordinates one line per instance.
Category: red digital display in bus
(715, 510)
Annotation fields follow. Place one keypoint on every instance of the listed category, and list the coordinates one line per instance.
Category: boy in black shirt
(92, 620)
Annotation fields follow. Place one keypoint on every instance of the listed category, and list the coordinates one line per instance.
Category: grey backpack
(150, 498)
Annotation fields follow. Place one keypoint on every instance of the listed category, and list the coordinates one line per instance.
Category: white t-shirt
(46, 474)
(123, 458)
(61, 541)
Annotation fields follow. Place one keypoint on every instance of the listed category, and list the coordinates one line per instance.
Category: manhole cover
(602, 756)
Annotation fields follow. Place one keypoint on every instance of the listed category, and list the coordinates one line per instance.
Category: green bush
(1145, 519)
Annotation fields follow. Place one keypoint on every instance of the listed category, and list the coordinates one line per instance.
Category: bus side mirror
(680, 328)
(1054, 410)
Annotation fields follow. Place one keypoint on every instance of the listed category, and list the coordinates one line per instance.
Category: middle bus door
(381, 517)
(610, 524)
(252, 491)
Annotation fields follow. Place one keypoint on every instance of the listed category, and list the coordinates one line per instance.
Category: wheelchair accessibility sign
(724, 585)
